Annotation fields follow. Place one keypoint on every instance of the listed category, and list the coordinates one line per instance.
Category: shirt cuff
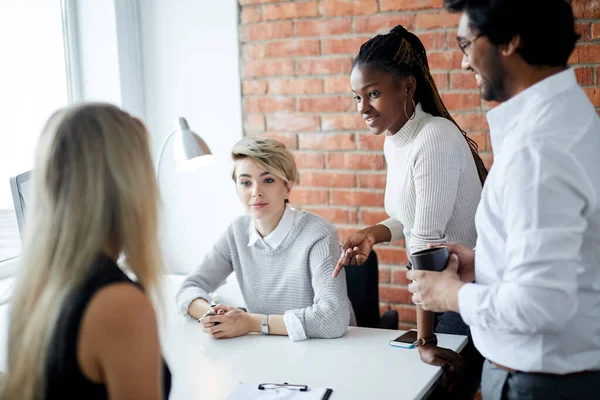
(294, 327)
(396, 229)
(468, 300)
(187, 296)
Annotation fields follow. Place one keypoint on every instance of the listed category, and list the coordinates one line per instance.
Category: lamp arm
(162, 150)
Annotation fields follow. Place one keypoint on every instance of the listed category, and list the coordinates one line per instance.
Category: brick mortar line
(478, 111)
(319, 57)
(336, 132)
(267, 78)
(337, 170)
(405, 305)
(278, 2)
(379, 12)
(350, 35)
(332, 95)
(377, 246)
(276, 96)
(354, 152)
(395, 267)
(351, 189)
(394, 285)
(326, 56)
(312, 56)
(336, 37)
(346, 55)
(345, 208)
(371, 172)
(331, 133)
(357, 132)
(310, 151)
(367, 208)
(355, 16)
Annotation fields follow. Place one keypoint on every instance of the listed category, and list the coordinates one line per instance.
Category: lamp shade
(191, 152)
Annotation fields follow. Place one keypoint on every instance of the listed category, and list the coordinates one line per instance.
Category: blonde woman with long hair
(79, 327)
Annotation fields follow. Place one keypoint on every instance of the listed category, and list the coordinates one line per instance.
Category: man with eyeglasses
(531, 291)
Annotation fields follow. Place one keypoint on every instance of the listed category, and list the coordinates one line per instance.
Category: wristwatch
(264, 327)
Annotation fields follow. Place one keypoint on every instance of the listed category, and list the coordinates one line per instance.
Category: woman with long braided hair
(434, 181)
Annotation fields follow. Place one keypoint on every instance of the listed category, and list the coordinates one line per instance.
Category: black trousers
(466, 386)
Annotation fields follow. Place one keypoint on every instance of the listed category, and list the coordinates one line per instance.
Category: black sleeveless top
(64, 378)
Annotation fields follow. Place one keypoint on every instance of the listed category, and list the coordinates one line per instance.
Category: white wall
(159, 60)
(32, 82)
(98, 58)
(190, 62)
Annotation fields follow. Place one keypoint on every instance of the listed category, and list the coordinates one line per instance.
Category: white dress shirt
(272, 241)
(535, 306)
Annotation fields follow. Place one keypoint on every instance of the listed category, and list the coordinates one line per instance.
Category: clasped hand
(230, 322)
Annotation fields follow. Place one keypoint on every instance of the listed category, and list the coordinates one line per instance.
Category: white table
(360, 365)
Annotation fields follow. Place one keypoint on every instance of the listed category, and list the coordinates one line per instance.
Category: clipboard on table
(279, 391)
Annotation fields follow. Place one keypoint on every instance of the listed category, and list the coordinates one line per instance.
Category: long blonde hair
(94, 186)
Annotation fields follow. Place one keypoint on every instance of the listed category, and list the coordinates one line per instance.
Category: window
(33, 78)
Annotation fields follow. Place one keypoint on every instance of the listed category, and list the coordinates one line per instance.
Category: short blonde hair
(269, 154)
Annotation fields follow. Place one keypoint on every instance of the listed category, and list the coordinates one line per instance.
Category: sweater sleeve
(207, 277)
(329, 316)
(436, 171)
(396, 228)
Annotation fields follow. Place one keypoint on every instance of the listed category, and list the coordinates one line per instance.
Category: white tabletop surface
(360, 365)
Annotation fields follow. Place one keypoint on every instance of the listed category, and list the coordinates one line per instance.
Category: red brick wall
(295, 62)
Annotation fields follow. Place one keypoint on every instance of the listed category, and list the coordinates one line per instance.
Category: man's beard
(493, 88)
(493, 91)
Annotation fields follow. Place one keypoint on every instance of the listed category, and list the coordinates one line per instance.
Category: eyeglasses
(464, 45)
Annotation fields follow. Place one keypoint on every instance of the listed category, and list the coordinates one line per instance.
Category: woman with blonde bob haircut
(79, 327)
(283, 258)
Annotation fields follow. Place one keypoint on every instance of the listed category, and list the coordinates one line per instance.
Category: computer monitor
(20, 186)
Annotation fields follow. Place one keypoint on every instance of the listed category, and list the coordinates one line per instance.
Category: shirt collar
(409, 131)
(505, 116)
(275, 238)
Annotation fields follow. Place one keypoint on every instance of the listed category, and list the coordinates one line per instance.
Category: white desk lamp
(191, 152)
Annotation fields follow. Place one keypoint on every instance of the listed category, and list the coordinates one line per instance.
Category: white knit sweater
(432, 188)
(294, 279)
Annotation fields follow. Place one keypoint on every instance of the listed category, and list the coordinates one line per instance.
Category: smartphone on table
(405, 341)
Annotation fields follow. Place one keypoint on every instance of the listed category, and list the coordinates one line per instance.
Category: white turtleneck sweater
(432, 188)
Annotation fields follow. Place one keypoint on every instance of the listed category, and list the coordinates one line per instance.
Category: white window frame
(128, 84)
(9, 266)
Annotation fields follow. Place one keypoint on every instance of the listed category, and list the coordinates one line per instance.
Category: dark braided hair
(402, 54)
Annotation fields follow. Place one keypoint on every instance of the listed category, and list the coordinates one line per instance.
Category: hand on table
(450, 361)
(232, 322)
